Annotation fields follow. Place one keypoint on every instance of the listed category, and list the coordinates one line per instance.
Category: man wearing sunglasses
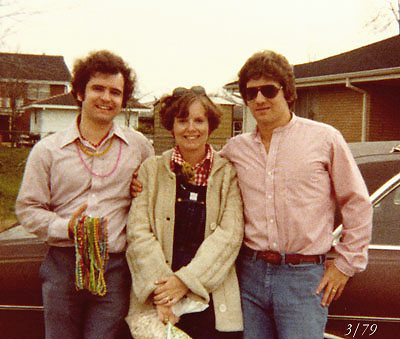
(292, 172)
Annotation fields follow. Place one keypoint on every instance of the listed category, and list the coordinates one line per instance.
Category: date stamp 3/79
(360, 330)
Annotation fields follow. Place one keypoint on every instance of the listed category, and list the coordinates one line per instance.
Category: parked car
(21, 308)
(370, 303)
(368, 307)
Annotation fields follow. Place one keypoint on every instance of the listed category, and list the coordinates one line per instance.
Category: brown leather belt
(276, 258)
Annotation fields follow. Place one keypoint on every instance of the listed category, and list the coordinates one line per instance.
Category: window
(38, 91)
(44, 91)
(33, 90)
(19, 102)
(4, 102)
(386, 227)
(237, 127)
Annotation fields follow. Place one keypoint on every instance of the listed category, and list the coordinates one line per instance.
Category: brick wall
(385, 114)
(342, 108)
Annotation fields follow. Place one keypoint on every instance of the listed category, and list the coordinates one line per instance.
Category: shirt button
(270, 173)
(270, 197)
(213, 226)
(274, 244)
(222, 308)
(271, 221)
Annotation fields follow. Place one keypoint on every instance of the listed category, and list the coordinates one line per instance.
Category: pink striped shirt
(289, 194)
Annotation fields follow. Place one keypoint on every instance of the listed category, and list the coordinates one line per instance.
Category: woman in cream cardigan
(186, 227)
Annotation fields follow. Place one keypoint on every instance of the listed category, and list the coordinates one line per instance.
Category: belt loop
(254, 255)
(283, 260)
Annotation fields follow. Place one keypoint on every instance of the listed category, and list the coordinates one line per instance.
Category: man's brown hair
(270, 65)
(101, 62)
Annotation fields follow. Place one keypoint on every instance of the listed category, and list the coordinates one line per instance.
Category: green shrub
(12, 165)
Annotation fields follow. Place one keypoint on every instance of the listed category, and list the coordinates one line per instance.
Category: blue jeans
(279, 301)
(72, 314)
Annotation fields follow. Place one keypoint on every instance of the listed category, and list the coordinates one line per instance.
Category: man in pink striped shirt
(292, 172)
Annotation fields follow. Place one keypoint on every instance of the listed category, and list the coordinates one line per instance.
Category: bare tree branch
(12, 14)
(387, 14)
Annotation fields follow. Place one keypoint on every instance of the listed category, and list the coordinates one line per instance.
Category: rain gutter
(356, 77)
(364, 108)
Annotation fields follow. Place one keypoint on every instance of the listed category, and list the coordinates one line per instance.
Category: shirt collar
(256, 133)
(177, 158)
(72, 133)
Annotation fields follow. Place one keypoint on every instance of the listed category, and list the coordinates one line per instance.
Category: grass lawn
(12, 164)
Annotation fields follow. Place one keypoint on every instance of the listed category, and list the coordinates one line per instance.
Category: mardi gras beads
(91, 254)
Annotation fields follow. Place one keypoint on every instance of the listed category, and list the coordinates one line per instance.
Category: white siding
(49, 121)
(249, 123)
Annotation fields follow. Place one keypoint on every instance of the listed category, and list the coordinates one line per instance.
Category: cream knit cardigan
(150, 233)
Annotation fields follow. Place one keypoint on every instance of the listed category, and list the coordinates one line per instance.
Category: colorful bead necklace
(91, 254)
(78, 147)
(84, 150)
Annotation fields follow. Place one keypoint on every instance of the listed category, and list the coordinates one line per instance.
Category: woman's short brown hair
(269, 65)
(101, 62)
(173, 106)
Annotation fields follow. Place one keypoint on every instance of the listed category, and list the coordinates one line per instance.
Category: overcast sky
(172, 43)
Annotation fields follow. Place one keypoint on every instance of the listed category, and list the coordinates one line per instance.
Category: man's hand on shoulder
(136, 185)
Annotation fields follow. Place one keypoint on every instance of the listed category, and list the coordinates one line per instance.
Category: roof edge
(361, 76)
(70, 107)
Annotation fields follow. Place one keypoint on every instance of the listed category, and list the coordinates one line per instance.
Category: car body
(21, 308)
(369, 305)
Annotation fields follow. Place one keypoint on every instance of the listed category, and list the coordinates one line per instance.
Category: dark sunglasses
(268, 91)
(179, 91)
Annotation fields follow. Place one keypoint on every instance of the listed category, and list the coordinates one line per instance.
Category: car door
(21, 310)
(370, 303)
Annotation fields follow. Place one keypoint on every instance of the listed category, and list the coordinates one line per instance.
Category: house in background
(25, 78)
(357, 92)
(59, 112)
(229, 126)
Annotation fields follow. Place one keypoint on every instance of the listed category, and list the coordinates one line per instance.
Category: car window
(386, 226)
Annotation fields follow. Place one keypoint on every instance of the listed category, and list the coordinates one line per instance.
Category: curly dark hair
(173, 106)
(103, 62)
(270, 65)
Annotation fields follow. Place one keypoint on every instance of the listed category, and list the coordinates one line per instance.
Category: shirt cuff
(343, 267)
(59, 229)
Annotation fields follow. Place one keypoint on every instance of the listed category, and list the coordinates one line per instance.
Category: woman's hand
(169, 291)
(166, 315)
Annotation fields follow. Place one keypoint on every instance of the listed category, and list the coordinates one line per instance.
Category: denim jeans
(72, 314)
(279, 301)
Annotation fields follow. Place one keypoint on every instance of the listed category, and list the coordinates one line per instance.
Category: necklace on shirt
(80, 133)
(84, 150)
(79, 148)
